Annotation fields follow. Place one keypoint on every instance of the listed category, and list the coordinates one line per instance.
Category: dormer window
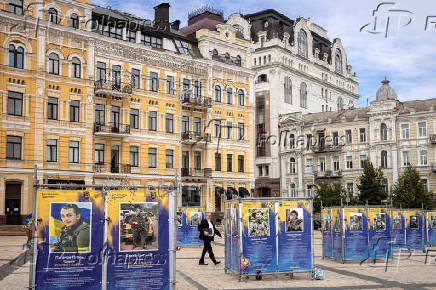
(238, 60)
(53, 15)
(239, 28)
(74, 21)
(338, 61)
(215, 54)
(182, 46)
(302, 43)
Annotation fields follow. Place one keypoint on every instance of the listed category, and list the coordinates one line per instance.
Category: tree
(371, 186)
(329, 194)
(410, 191)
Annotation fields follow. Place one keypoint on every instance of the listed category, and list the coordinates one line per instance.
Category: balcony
(111, 129)
(116, 89)
(193, 172)
(326, 148)
(194, 137)
(432, 138)
(328, 174)
(112, 168)
(196, 101)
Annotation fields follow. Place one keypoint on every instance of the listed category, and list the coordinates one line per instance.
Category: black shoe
(202, 263)
(217, 262)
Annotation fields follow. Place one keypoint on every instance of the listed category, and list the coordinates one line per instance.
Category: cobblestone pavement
(409, 273)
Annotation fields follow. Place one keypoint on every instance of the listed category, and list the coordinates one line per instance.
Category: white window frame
(404, 159)
(422, 134)
(403, 131)
(347, 160)
(421, 157)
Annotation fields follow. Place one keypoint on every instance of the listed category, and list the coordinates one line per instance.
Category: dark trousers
(207, 247)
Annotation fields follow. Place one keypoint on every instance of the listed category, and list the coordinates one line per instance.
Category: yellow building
(97, 96)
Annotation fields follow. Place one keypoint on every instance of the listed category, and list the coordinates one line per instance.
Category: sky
(404, 51)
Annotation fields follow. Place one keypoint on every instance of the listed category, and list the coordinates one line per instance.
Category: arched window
(383, 132)
(292, 169)
(227, 57)
(302, 43)
(217, 93)
(16, 56)
(303, 95)
(338, 61)
(384, 159)
(238, 60)
(53, 15)
(229, 95)
(215, 54)
(74, 21)
(76, 68)
(16, 6)
(292, 190)
(53, 63)
(288, 90)
(241, 98)
(340, 104)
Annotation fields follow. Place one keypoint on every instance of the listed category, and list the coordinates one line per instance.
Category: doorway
(13, 203)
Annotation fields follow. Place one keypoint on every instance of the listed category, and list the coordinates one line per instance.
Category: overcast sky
(407, 56)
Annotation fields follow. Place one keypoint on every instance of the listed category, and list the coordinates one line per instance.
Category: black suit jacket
(204, 225)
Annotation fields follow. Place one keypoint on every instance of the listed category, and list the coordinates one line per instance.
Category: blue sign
(327, 241)
(337, 233)
(356, 234)
(398, 229)
(379, 233)
(431, 228)
(414, 229)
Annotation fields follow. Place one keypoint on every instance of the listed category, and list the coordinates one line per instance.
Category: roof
(386, 92)
(268, 11)
(206, 20)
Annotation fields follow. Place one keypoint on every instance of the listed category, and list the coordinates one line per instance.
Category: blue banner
(295, 236)
(234, 236)
(259, 236)
(398, 229)
(380, 245)
(188, 220)
(70, 239)
(337, 233)
(228, 236)
(180, 224)
(138, 240)
(414, 229)
(356, 234)
(327, 241)
(431, 228)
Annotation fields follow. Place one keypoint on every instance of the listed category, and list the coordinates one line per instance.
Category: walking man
(207, 233)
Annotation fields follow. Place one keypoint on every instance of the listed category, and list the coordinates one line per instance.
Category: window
(422, 157)
(229, 95)
(13, 147)
(197, 160)
(241, 98)
(53, 63)
(16, 56)
(384, 159)
(229, 162)
(349, 136)
(309, 190)
(170, 85)
(152, 121)
(385, 183)
(74, 21)
(186, 88)
(303, 95)
(116, 77)
(227, 57)
(16, 6)
(53, 15)
(135, 80)
(338, 61)
(335, 161)
(266, 170)
(76, 67)
(291, 141)
(238, 60)
(292, 165)
(152, 156)
(134, 118)
(309, 164)
(169, 123)
(260, 170)
(52, 108)
(131, 36)
(197, 126)
(113, 30)
(422, 129)
(405, 131)
(185, 159)
(350, 189)
(217, 93)
(240, 131)
(134, 156)
(15, 103)
(229, 130)
(154, 86)
(349, 161)
(362, 134)
(322, 164)
(115, 117)
(335, 138)
(425, 183)
(101, 72)
(197, 89)
(151, 41)
(215, 54)
(241, 163)
(169, 158)
(363, 159)
(74, 111)
(52, 148)
(302, 43)
(217, 161)
(191, 196)
(292, 190)
(99, 154)
(74, 152)
(217, 128)
(182, 46)
(383, 132)
(288, 90)
(185, 124)
(99, 114)
(406, 158)
(309, 141)
(340, 104)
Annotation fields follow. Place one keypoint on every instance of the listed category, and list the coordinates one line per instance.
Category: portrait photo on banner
(379, 221)
(234, 226)
(179, 217)
(396, 222)
(70, 227)
(413, 222)
(337, 225)
(139, 226)
(258, 222)
(433, 221)
(327, 222)
(196, 218)
(356, 221)
(294, 220)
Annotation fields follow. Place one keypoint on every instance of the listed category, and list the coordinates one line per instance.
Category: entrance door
(115, 159)
(13, 203)
(218, 195)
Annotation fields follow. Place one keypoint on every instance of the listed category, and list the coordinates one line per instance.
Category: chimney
(175, 25)
(162, 16)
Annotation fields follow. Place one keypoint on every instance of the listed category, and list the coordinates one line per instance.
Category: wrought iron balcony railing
(112, 128)
(195, 137)
(112, 88)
